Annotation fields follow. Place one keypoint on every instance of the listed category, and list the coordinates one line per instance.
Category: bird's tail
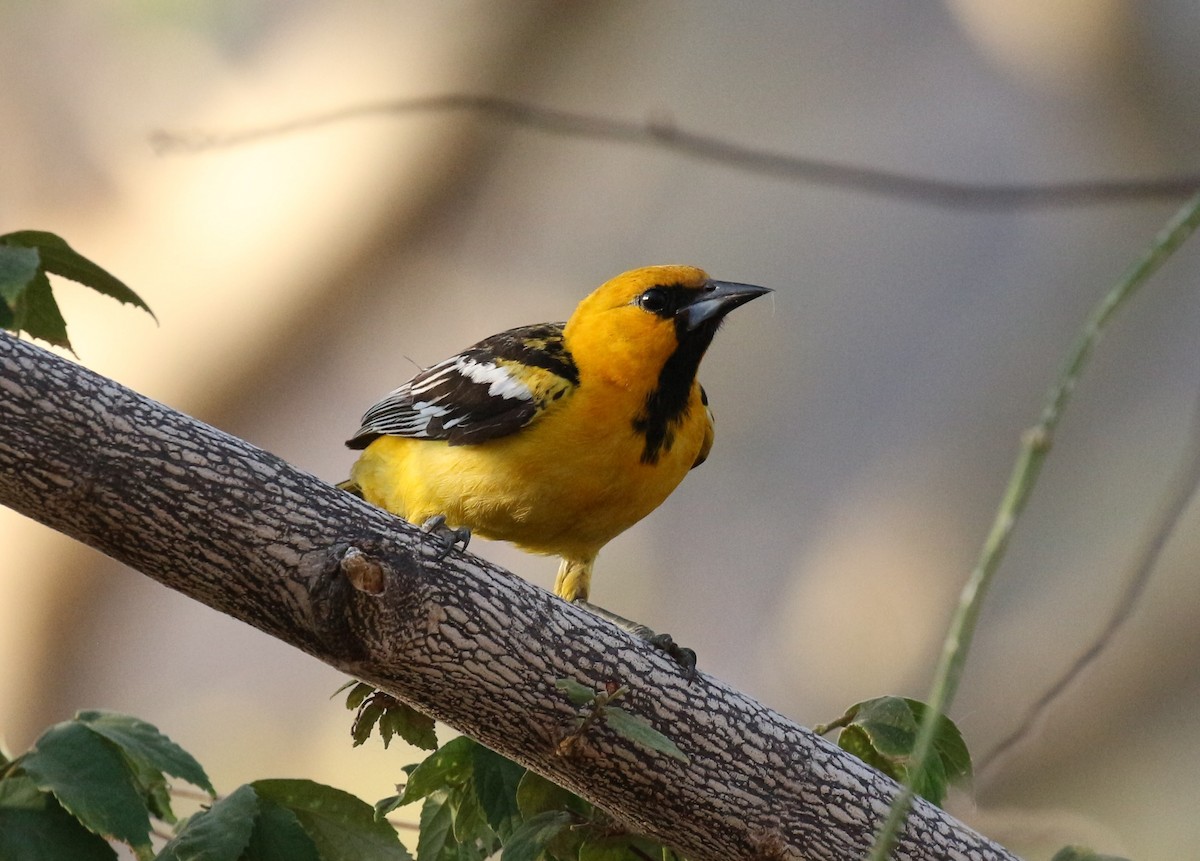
(350, 486)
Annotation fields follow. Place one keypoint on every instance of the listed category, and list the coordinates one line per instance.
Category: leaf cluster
(27, 302)
(477, 804)
(102, 777)
(882, 732)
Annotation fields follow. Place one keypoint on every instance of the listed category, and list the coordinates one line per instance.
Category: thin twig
(1036, 443)
(664, 134)
(1184, 484)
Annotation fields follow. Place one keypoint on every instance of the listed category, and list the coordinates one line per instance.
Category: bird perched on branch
(556, 437)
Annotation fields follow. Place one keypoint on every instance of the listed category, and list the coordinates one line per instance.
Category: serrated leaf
(449, 765)
(470, 823)
(411, 725)
(90, 778)
(883, 732)
(34, 827)
(1082, 853)
(18, 267)
(359, 691)
(637, 730)
(368, 715)
(497, 779)
(220, 833)
(437, 828)
(279, 836)
(152, 785)
(949, 744)
(36, 313)
(534, 836)
(580, 695)
(144, 742)
(391, 717)
(342, 827)
(59, 258)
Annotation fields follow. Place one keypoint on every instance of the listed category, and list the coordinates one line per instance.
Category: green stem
(1035, 445)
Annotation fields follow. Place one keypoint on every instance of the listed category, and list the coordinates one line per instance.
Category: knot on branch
(365, 573)
(769, 846)
(336, 574)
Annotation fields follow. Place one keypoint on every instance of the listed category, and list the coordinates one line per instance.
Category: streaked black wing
(489, 390)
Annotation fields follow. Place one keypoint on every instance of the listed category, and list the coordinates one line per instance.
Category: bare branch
(468, 643)
(1178, 497)
(663, 134)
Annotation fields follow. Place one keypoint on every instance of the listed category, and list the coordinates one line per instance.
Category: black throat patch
(667, 405)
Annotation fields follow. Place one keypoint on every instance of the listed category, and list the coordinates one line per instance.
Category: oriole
(557, 436)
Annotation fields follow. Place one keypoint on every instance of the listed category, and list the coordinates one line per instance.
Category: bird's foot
(685, 657)
(682, 655)
(446, 537)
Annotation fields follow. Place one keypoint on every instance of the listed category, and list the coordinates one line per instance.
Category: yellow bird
(556, 437)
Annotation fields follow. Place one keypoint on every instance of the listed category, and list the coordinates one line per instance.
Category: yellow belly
(543, 489)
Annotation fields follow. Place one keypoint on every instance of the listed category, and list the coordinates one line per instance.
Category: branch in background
(1035, 446)
(1184, 483)
(463, 641)
(663, 134)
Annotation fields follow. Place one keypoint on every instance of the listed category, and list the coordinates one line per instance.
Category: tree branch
(468, 643)
(663, 134)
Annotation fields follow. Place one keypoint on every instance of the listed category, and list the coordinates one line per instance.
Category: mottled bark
(464, 641)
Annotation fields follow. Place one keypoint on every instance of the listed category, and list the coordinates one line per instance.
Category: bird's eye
(654, 300)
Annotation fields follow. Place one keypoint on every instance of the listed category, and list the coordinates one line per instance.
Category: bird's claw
(685, 657)
(446, 537)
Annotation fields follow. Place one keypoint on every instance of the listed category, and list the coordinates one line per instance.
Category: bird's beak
(716, 300)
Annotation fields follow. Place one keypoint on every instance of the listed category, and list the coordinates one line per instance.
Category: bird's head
(643, 318)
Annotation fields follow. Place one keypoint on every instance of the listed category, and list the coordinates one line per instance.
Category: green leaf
(580, 695)
(1082, 853)
(34, 827)
(948, 743)
(279, 836)
(470, 823)
(882, 733)
(152, 786)
(18, 268)
(530, 840)
(8, 322)
(437, 828)
(143, 742)
(36, 312)
(342, 827)
(392, 717)
(415, 728)
(854, 740)
(220, 833)
(496, 781)
(536, 794)
(638, 730)
(359, 691)
(449, 765)
(368, 715)
(90, 778)
(384, 806)
(59, 258)
(620, 848)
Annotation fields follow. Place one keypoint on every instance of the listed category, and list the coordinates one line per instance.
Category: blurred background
(866, 421)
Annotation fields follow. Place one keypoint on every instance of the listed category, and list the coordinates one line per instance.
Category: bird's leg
(574, 579)
(445, 536)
